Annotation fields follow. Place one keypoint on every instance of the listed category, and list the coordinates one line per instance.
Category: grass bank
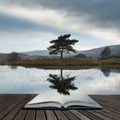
(66, 62)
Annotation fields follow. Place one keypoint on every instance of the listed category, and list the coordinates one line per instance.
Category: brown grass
(65, 63)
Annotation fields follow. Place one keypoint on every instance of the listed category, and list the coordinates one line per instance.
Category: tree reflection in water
(106, 71)
(13, 67)
(62, 84)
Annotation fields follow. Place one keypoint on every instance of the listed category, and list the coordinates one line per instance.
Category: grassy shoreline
(65, 63)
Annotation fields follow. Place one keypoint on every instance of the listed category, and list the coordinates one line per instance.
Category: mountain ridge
(37, 54)
(92, 53)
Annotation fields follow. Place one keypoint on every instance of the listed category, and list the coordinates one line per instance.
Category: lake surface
(60, 85)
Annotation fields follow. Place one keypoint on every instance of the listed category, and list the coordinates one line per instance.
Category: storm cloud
(102, 13)
(13, 23)
(94, 23)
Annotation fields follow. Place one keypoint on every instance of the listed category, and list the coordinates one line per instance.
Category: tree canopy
(13, 56)
(106, 52)
(62, 45)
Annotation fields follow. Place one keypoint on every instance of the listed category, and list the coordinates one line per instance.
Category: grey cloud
(9, 23)
(12, 22)
(102, 13)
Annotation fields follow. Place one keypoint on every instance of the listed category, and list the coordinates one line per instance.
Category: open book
(67, 105)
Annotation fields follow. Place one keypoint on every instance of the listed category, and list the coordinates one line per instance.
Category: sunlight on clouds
(108, 34)
(62, 20)
(41, 15)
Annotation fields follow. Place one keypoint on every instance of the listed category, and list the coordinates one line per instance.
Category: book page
(47, 105)
(67, 101)
(81, 104)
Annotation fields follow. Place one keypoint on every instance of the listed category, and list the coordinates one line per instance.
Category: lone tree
(62, 45)
(14, 56)
(106, 52)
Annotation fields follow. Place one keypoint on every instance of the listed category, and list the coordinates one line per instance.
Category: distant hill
(45, 53)
(96, 53)
(3, 56)
(37, 53)
(93, 53)
(6, 56)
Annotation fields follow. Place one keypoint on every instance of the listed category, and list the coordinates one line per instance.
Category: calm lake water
(66, 82)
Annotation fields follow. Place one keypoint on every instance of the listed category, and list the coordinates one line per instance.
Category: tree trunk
(61, 74)
(62, 53)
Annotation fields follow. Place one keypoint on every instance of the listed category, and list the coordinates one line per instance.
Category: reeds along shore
(66, 62)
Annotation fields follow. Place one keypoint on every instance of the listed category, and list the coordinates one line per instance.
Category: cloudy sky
(27, 25)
